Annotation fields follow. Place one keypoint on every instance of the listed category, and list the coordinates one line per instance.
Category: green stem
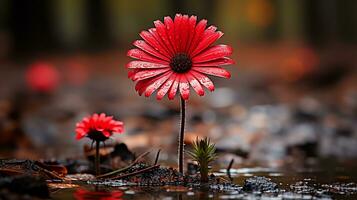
(204, 172)
(181, 136)
(97, 158)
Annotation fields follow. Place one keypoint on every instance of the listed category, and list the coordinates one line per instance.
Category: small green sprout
(203, 153)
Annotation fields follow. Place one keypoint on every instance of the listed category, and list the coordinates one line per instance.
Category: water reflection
(302, 184)
(82, 194)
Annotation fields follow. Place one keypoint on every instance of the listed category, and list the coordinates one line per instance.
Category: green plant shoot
(203, 153)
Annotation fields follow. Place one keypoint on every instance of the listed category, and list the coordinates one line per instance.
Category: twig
(229, 170)
(125, 168)
(136, 172)
(41, 168)
(230, 165)
(157, 156)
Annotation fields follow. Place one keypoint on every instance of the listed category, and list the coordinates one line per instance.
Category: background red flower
(98, 127)
(42, 77)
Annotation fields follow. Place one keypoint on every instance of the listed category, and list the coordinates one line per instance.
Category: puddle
(304, 184)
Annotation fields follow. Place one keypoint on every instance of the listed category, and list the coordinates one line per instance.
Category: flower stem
(182, 135)
(97, 158)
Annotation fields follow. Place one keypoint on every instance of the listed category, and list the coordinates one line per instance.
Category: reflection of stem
(182, 135)
(97, 159)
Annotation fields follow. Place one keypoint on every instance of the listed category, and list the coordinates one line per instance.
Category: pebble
(260, 184)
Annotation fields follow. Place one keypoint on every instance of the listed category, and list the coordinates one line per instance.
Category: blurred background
(292, 98)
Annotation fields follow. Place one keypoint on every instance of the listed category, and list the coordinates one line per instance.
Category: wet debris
(324, 190)
(226, 187)
(126, 168)
(61, 185)
(158, 176)
(163, 176)
(111, 157)
(23, 185)
(341, 188)
(259, 184)
(80, 177)
(303, 187)
(12, 167)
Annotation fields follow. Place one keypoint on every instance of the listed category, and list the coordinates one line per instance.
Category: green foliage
(203, 153)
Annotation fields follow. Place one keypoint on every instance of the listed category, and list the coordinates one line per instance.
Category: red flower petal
(213, 53)
(108, 119)
(184, 87)
(101, 116)
(161, 30)
(170, 29)
(184, 33)
(150, 39)
(190, 31)
(106, 133)
(203, 79)
(155, 85)
(165, 87)
(159, 39)
(210, 30)
(174, 88)
(95, 117)
(141, 44)
(142, 85)
(178, 32)
(215, 71)
(200, 28)
(218, 62)
(80, 134)
(148, 73)
(141, 55)
(131, 73)
(145, 65)
(195, 84)
(206, 41)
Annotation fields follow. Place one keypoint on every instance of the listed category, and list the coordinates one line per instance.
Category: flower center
(181, 63)
(96, 135)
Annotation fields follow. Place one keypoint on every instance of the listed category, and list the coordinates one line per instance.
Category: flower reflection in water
(82, 194)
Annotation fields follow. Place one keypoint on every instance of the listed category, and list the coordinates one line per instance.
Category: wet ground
(339, 183)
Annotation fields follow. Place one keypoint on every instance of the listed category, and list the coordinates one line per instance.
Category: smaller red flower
(98, 127)
(42, 77)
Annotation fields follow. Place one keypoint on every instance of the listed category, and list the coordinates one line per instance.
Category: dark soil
(23, 185)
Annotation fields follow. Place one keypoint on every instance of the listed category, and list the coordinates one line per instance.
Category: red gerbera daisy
(98, 127)
(176, 54)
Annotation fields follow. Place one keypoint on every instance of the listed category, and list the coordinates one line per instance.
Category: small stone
(260, 184)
